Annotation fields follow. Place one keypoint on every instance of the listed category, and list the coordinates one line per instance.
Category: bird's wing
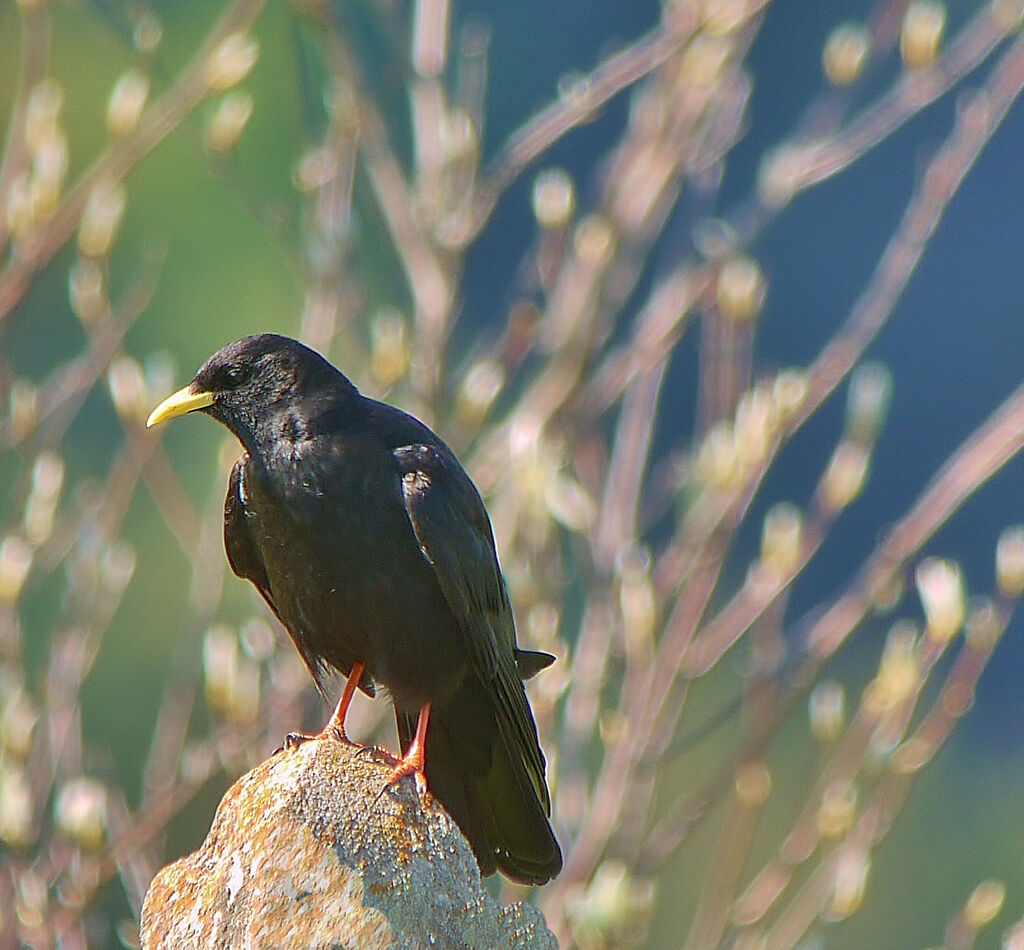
(246, 560)
(243, 554)
(454, 534)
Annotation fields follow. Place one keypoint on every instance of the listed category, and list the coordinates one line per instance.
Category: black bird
(372, 545)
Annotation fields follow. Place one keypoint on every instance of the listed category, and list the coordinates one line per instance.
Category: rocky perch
(307, 851)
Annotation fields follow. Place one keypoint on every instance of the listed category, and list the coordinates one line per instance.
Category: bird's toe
(293, 740)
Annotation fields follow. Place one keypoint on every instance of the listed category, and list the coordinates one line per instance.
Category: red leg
(415, 757)
(336, 724)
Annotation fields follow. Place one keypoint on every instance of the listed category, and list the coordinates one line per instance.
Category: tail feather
(530, 662)
(482, 781)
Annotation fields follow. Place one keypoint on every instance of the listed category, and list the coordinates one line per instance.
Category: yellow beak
(177, 404)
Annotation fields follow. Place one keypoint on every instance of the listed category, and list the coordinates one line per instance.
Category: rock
(312, 848)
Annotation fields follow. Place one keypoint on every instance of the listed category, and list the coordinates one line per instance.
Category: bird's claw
(338, 735)
(379, 753)
(292, 741)
(402, 769)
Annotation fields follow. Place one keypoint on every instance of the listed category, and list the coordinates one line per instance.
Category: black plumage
(372, 545)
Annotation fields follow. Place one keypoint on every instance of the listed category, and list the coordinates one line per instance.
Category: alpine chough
(372, 545)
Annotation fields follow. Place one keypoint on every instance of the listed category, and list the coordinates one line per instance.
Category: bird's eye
(233, 376)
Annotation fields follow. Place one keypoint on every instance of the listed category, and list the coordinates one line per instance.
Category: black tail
(481, 779)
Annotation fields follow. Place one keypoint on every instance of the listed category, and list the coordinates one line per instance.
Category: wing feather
(454, 534)
(246, 560)
(244, 556)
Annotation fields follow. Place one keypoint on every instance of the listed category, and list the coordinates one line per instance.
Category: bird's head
(254, 380)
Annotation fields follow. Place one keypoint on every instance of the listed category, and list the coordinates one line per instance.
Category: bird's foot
(294, 739)
(378, 753)
(414, 760)
(339, 735)
(402, 768)
(410, 764)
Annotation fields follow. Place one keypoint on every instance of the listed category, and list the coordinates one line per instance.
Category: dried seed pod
(826, 709)
(867, 401)
(80, 812)
(1010, 562)
(782, 538)
(847, 470)
(15, 563)
(984, 904)
(228, 121)
(101, 218)
(126, 102)
(389, 347)
(921, 35)
(740, 289)
(940, 587)
(231, 61)
(845, 53)
(554, 198)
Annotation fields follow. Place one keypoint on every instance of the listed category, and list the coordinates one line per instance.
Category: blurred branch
(36, 249)
(914, 90)
(977, 121)
(990, 447)
(587, 96)
(35, 49)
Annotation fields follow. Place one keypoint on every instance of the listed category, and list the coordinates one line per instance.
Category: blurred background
(624, 257)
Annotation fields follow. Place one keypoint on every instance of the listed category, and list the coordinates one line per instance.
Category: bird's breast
(347, 574)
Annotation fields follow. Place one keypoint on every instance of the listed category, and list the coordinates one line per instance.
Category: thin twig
(614, 75)
(914, 90)
(36, 249)
(35, 49)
